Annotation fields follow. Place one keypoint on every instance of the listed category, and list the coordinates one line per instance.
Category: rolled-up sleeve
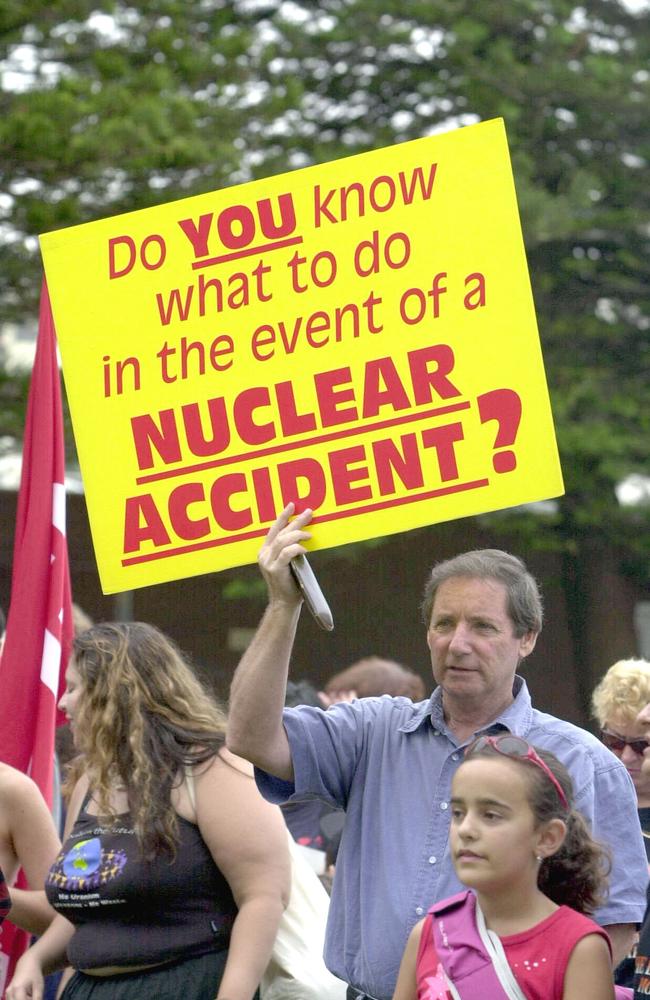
(615, 823)
(325, 748)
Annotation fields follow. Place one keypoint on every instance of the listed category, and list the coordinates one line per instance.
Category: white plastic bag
(297, 970)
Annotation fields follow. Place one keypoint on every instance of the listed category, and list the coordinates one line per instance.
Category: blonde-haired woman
(617, 700)
(174, 872)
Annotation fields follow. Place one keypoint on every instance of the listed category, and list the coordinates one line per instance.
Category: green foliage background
(113, 107)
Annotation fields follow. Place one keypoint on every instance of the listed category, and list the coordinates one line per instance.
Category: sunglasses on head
(617, 743)
(518, 749)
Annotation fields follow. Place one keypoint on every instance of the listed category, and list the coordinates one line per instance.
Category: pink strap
(461, 951)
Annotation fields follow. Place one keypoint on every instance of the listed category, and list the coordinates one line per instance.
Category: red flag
(39, 623)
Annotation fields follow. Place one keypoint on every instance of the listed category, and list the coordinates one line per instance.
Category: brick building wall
(374, 591)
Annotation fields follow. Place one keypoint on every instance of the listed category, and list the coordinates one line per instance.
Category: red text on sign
(259, 415)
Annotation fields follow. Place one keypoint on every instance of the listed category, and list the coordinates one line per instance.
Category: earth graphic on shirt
(84, 858)
(86, 866)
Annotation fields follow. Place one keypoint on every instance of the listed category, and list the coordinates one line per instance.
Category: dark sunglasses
(518, 749)
(618, 743)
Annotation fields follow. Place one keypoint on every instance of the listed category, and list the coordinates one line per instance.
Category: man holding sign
(389, 763)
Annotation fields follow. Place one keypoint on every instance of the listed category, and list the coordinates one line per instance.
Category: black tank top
(129, 911)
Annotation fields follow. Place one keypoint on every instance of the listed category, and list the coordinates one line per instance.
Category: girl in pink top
(533, 871)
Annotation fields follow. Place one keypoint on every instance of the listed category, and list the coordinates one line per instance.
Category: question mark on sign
(504, 406)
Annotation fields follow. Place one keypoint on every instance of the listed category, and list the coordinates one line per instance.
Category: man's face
(474, 650)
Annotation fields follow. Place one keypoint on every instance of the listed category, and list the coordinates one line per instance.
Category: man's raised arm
(258, 689)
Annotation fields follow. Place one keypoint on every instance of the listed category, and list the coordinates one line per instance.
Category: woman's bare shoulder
(238, 763)
(14, 784)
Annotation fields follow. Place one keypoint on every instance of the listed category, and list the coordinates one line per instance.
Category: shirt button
(455, 756)
(432, 860)
(419, 910)
(444, 805)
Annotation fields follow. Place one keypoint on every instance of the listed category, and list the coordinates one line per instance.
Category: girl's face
(70, 697)
(495, 838)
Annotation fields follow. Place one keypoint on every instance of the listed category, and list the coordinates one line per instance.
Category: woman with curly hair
(533, 872)
(622, 693)
(174, 871)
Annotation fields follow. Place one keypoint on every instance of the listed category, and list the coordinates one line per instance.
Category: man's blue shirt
(389, 764)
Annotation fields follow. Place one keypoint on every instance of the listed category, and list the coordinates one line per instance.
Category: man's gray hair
(523, 598)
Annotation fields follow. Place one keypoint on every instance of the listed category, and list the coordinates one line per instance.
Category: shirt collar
(516, 718)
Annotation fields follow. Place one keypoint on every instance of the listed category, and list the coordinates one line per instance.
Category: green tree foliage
(108, 108)
(572, 84)
(172, 98)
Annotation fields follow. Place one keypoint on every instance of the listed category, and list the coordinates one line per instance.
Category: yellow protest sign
(357, 336)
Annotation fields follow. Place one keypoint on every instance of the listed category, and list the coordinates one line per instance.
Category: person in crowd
(302, 693)
(5, 898)
(617, 700)
(534, 873)
(174, 872)
(81, 620)
(389, 763)
(28, 840)
(642, 960)
(63, 741)
(371, 677)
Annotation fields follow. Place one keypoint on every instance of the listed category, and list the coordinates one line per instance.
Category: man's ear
(527, 644)
(550, 837)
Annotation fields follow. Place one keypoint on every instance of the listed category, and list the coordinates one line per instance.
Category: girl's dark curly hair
(577, 874)
(142, 718)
